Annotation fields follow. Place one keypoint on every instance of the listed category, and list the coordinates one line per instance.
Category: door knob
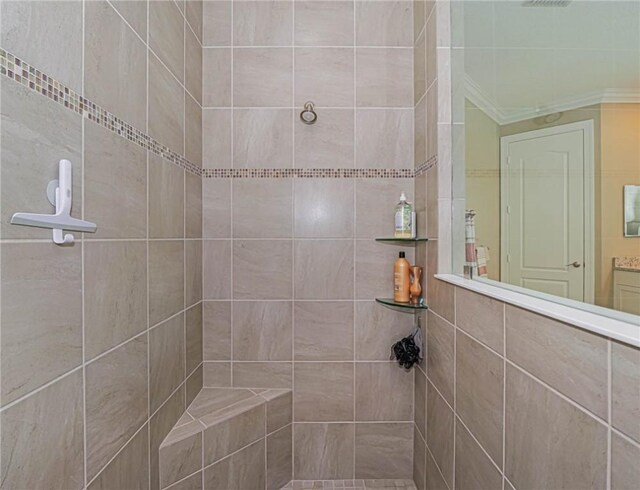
(575, 264)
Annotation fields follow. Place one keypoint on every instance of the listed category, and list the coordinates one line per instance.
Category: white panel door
(543, 210)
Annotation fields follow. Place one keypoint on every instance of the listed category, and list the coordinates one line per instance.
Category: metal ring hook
(308, 115)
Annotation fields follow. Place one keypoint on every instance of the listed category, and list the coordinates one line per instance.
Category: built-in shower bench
(230, 438)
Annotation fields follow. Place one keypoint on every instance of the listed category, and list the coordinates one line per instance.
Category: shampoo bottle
(403, 226)
(401, 279)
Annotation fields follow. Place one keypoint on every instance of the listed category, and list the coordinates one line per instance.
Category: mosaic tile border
(26, 75)
(307, 173)
(358, 484)
(423, 167)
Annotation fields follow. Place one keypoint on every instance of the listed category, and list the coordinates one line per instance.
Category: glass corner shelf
(402, 240)
(405, 306)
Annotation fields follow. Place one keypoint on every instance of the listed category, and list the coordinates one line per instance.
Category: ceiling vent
(545, 3)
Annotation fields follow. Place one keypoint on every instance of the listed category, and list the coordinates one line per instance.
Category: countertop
(627, 264)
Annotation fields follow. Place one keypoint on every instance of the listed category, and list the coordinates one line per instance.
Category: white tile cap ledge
(629, 333)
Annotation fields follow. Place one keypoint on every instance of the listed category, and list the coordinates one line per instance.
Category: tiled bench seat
(230, 438)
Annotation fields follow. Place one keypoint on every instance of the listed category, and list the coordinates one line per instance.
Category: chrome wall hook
(308, 115)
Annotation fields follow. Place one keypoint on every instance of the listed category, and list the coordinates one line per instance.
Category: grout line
(193, 371)
(82, 261)
(430, 455)
(191, 417)
(183, 383)
(558, 393)
(507, 480)
(420, 436)
(231, 282)
(624, 436)
(165, 320)
(106, 465)
(147, 208)
(189, 24)
(103, 240)
(41, 388)
(234, 453)
(114, 348)
(176, 484)
(280, 429)
(2, 465)
(353, 241)
(295, 107)
(184, 225)
(147, 44)
(293, 243)
(184, 91)
(338, 361)
(455, 388)
(232, 405)
(423, 29)
(266, 434)
(458, 418)
(284, 239)
(182, 84)
(303, 46)
(609, 409)
(504, 391)
(198, 419)
(355, 422)
(270, 300)
(292, 184)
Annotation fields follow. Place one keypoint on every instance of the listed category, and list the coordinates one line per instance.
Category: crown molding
(482, 100)
(486, 104)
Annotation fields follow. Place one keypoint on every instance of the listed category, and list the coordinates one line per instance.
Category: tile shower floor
(390, 484)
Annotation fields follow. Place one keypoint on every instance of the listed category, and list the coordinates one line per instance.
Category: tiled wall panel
(291, 268)
(105, 316)
(532, 420)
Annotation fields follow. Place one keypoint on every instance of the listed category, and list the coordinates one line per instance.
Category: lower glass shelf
(402, 240)
(405, 306)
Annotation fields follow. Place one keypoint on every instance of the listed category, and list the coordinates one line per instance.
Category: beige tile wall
(508, 398)
(528, 416)
(102, 341)
(290, 265)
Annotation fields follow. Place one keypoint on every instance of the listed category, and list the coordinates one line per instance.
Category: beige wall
(291, 268)
(482, 181)
(620, 156)
(101, 341)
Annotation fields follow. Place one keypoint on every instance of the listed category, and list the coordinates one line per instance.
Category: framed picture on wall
(632, 211)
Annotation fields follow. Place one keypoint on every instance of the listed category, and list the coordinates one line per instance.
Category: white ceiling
(522, 61)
